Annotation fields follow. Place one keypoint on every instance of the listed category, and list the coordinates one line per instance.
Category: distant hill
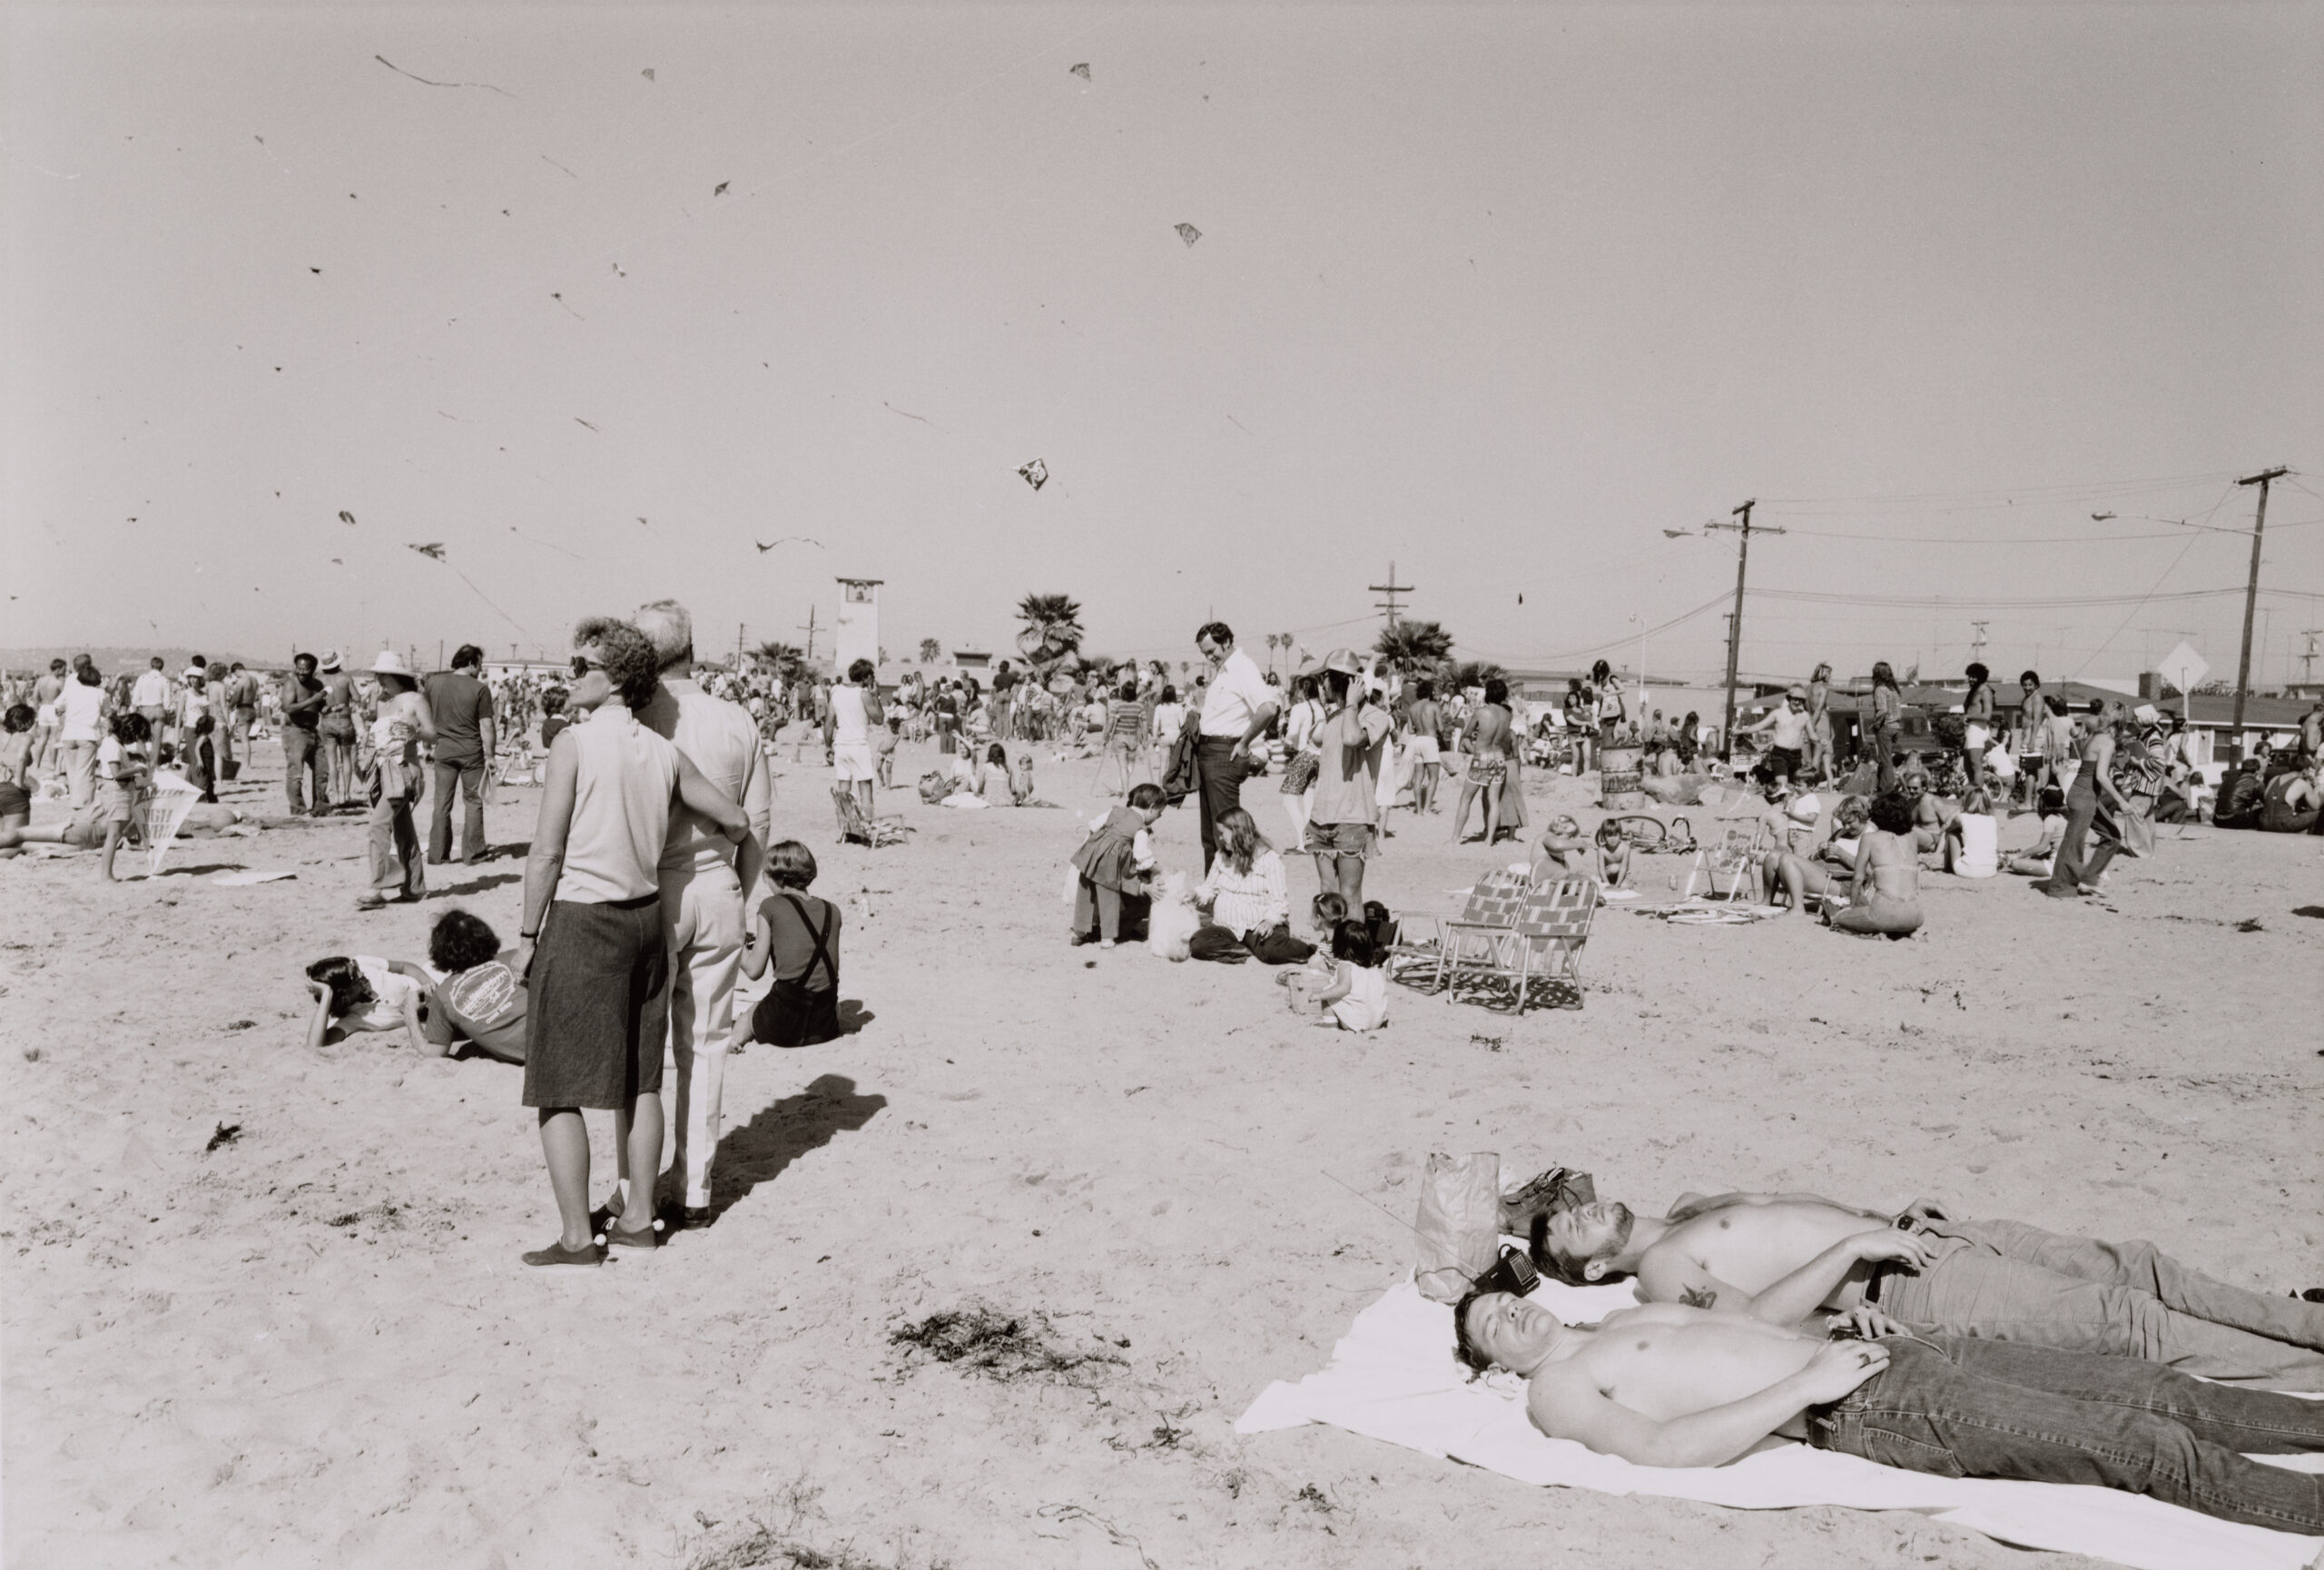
(111, 661)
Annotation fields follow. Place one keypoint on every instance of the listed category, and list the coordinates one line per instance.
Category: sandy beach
(313, 1343)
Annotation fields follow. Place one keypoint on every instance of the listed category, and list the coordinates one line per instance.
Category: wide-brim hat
(390, 663)
(192, 671)
(1343, 662)
(330, 661)
(1795, 690)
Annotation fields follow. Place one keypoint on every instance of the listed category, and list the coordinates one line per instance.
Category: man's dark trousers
(469, 773)
(1218, 780)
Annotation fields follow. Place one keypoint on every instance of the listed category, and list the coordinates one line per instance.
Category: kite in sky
(786, 540)
(647, 73)
(344, 516)
(1190, 233)
(719, 189)
(1036, 473)
(1678, 533)
(434, 550)
(2100, 516)
(1081, 70)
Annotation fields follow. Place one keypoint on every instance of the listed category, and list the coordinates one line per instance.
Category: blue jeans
(2007, 1281)
(1959, 1408)
(467, 774)
(303, 764)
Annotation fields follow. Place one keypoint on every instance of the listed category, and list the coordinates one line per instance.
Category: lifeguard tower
(859, 623)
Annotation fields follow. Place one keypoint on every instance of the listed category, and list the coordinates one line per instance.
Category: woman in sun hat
(398, 871)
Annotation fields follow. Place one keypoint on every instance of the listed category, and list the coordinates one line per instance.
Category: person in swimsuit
(1487, 741)
(1884, 895)
(1819, 724)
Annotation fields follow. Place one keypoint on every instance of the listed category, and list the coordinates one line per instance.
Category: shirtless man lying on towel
(1780, 1256)
(1667, 1385)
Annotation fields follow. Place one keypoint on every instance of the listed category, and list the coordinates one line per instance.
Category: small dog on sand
(1173, 919)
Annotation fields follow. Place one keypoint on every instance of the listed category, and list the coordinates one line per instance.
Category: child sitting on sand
(800, 934)
(1115, 866)
(366, 994)
(1348, 990)
(1567, 851)
(479, 996)
(1973, 839)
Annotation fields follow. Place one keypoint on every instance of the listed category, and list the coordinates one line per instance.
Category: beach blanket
(1394, 1377)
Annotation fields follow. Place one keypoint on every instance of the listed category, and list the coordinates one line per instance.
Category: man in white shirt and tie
(1238, 706)
(704, 879)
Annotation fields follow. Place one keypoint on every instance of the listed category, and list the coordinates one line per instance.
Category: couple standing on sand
(634, 927)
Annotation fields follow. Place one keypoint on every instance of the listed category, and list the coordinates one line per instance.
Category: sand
(314, 1346)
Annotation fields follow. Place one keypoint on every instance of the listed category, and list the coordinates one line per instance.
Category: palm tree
(930, 651)
(1052, 628)
(1414, 646)
(1461, 674)
(786, 658)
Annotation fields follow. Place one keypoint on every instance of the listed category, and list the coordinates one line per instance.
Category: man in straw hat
(1344, 823)
(398, 871)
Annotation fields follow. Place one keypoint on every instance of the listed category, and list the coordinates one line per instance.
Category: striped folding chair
(1480, 935)
(1543, 945)
(1491, 906)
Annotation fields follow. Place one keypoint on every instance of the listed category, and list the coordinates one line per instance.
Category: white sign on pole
(2183, 669)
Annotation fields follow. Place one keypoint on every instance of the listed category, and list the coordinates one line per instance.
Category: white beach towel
(1394, 1377)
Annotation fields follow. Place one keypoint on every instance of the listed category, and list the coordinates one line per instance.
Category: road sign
(2183, 669)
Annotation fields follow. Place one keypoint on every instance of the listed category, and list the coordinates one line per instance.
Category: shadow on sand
(784, 1130)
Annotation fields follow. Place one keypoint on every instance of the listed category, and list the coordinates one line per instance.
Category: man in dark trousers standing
(1238, 706)
(462, 705)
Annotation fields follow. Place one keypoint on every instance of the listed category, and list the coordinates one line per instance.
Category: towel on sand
(1394, 1377)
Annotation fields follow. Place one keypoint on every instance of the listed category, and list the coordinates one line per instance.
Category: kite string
(511, 620)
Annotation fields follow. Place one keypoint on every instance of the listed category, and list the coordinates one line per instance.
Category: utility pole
(1977, 644)
(740, 628)
(1392, 589)
(810, 630)
(2307, 657)
(1735, 622)
(2252, 594)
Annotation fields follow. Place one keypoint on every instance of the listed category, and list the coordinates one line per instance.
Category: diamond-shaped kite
(1188, 233)
(434, 550)
(1081, 70)
(1036, 473)
(344, 516)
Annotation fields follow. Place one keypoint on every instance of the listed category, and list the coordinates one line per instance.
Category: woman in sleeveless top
(799, 933)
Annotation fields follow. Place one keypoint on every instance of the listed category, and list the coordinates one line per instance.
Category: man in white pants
(705, 879)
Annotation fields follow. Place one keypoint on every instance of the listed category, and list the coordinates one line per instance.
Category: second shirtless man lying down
(1668, 1384)
(1781, 1257)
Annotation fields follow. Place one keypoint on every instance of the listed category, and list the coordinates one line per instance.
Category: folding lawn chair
(1544, 945)
(853, 825)
(1491, 907)
(160, 813)
(1725, 867)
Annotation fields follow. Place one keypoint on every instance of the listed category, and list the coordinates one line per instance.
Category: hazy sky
(1500, 293)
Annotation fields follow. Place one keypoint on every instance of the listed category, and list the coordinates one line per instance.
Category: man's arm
(1805, 1289)
(758, 805)
(1566, 1404)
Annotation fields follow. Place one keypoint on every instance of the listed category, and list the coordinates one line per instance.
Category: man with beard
(1781, 1257)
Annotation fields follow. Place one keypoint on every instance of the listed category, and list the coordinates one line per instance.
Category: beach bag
(1458, 1223)
(934, 787)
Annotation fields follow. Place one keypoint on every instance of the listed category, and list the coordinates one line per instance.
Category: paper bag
(1459, 1222)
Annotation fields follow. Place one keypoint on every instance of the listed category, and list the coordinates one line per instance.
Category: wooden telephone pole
(1392, 589)
(2251, 593)
(1735, 622)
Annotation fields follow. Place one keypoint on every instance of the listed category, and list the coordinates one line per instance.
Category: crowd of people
(653, 891)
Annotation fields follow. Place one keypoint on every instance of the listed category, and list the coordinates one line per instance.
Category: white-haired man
(704, 878)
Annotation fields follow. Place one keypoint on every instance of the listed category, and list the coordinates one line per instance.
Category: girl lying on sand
(472, 995)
